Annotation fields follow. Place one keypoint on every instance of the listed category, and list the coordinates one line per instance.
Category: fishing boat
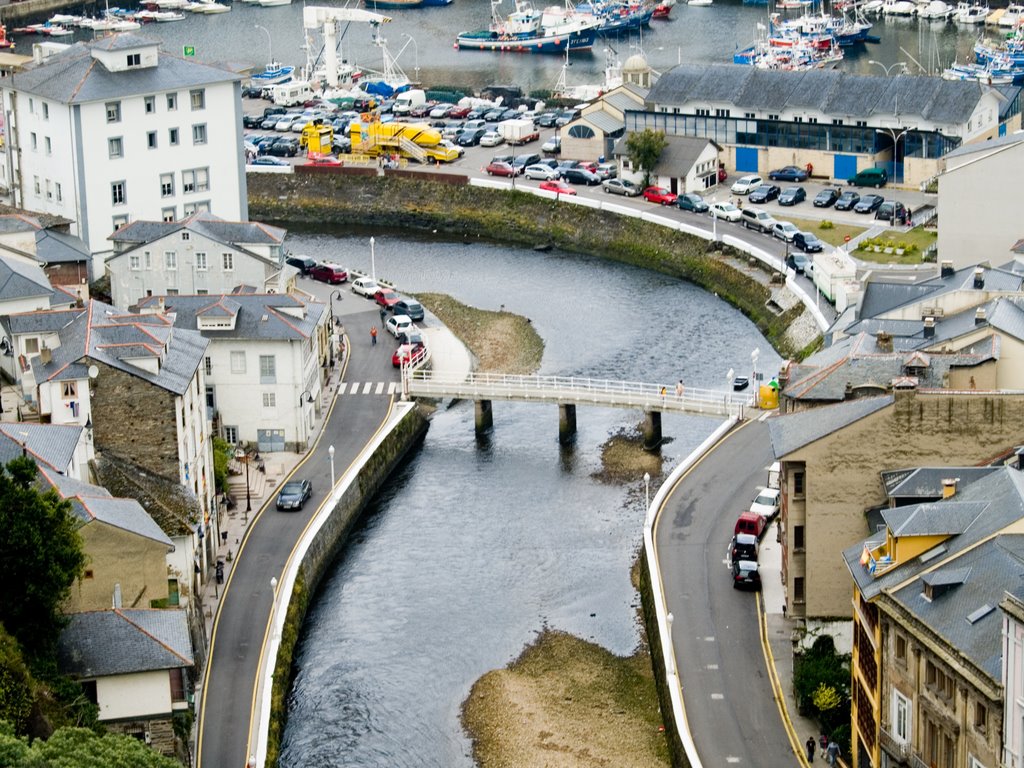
(47, 30)
(935, 9)
(845, 31)
(700, 2)
(274, 73)
(527, 30)
(970, 13)
(899, 8)
(618, 16)
(662, 11)
(1012, 16)
(999, 71)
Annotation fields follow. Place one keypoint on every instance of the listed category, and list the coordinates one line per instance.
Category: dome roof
(636, 63)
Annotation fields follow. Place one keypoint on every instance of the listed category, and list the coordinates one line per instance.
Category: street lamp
(416, 53)
(753, 363)
(889, 68)
(302, 410)
(273, 584)
(647, 489)
(895, 159)
(333, 323)
(330, 452)
(669, 655)
(373, 263)
(270, 44)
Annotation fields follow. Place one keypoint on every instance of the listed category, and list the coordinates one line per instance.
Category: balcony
(896, 749)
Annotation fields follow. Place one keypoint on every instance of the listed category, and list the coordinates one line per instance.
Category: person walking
(810, 745)
(833, 752)
(373, 335)
(679, 388)
(383, 316)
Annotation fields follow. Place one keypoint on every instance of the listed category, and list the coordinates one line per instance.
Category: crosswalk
(369, 388)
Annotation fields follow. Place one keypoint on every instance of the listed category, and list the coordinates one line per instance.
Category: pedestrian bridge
(569, 391)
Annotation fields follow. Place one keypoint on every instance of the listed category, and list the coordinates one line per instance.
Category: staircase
(236, 483)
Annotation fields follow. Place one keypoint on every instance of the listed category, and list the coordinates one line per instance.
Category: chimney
(45, 355)
(946, 269)
(979, 316)
(979, 277)
(929, 327)
(949, 487)
(160, 304)
(884, 341)
(117, 596)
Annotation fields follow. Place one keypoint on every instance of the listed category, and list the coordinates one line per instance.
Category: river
(477, 545)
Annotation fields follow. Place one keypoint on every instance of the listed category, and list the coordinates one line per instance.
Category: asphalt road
(241, 624)
(728, 697)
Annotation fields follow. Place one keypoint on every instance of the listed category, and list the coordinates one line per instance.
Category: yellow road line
(780, 697)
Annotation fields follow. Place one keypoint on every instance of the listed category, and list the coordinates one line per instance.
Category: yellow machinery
(317, 138)
(414, 140)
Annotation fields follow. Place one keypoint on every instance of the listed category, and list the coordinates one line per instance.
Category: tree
(41, 553)
(222, 453)
(73, 747)
(645, 147)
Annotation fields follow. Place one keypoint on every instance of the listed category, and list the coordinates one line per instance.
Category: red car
(558, 187)
(408, 354)
(659, 195)
(386, 298)
(329, 273)
(459, 112)
(314, 158)
(500, 169)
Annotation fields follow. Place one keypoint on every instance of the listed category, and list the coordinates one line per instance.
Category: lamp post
(890, 67)
(373, 263)
(753, 363)
(330, 453)
(248, 492)
(669, 655)
(330, 337)
(895, 158)
(416, 54)
(302, 411)
(647, 489)
(270, 44)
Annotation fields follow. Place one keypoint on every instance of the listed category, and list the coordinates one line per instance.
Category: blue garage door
(845, 166)
(746, 159)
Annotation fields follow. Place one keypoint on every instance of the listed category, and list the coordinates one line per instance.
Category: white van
(292, 94)
(407, 101)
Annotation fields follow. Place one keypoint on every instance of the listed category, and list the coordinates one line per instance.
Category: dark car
(745, 575)
(868, 204)
(565, 117)
(546, 120)
(739, 383)
(493, 115)
(690, 201)
(476, 114)
(764, 193)
(581, 176)
(807, 243)
(521, 161)
(270, 111)
(263, 143)
(798, 262)
(294, 494)
(825, 198)
(792, 196)
(269, 122)
(423, 110)
(329, 273)
(252, 121)
(303, 263)
(847, 200)
(891, 210)
(743, 547)
(284, 147)
(509, 114)
(471, 137)
(409, 307)
(789, 173)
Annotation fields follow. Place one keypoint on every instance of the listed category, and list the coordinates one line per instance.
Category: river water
(478, 545)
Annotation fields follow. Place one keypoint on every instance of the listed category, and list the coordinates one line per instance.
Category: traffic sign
(188, 50)
(846, 239)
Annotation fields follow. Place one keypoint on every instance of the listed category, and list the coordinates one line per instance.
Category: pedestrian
(373, 335)
(810, 744)
(383, 316)
(679, 388)
(664, 391)
(833, 752)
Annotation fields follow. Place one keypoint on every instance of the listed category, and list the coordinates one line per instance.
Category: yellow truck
(317, 138)
(413, 140)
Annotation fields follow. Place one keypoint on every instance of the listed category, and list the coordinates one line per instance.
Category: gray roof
(108, 335)
(126, 514)
(257, 316)
(42, 321)
(792, 431)
(679, 156)
(881, 297)
(60, 248)
(831, 91)
(52, 444)
(933, 518)
(234, 233)
(123, 641)
(605, 122)
(987, 146)
(621, 100)
(73, 76)
(927, 482)
(17, 222)
(19, 279)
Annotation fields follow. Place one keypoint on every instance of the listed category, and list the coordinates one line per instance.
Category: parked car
(302, 263)
(798, 262)
(766, 503)
(408, 354)
(441, 110)
(752, 523)
(746, 184)
(891, 210)
(546, 120)
(789, 173)
(252, 121)
(726, 211)
(846, 201)
(826, 197)
(581, 176)
(691, 201)
(539, 172)
(408, 307)
(743, 547)
(745, 575)
(473, 125)
(764, 194)
(491, 139)
(477, 113)
(397, 324)
(607, 170)
(558, 186)
(868, 204)
(785, 230)
(501, 169)
(386, 298)
(739, 383)
(326, 272)
(284, 147)
(268, 160)
(552, 146)
(493, 115)
(807, 242)
(659, 195)
(869, 177)
(470, 137)
(565, 117)
(294, 494)
(792, 196)
(519, 162)
(365, 286)
(755, 218)
(457, 113)
(621, 187)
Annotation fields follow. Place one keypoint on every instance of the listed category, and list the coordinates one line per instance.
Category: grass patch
(565, 703)
(501, 341)
(834, 235)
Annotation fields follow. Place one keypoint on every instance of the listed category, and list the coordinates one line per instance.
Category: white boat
(700, 2)
(159, 16)
(1013, 15)
(209, 7)
(270, 3)
(899, 8)
(970, 13)
(872, 6)
(170, 5)
(936, 9)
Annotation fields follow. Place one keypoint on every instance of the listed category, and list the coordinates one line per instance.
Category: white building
(201, 254)
(106, 132)
(1013, 676)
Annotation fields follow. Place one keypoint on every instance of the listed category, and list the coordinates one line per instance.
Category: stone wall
(115, 556)
(160, 730)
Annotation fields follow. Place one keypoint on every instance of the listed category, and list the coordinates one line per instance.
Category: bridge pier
(652, 430)
(484, 416)
(566, 423)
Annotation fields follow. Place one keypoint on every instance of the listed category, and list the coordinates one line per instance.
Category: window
(749, 116)
(46, 111)
(973, 762)
(69, 390)
(134, 262)
(134, 59)
(798, 537)
(900, 717)
(121, 221)
(166, 185)
(115, 147)
(172, 136)
(798, 119)
(208, 365)
(798, 483)
(147, 260)
(231, 435)
(117, 193)
(150, 102)
(581, 132)
(199, 133)
(37, 185)
(201, 261)
(722, 113)
(238, 362)
(200, 206)
(172, 102)
(798, 589)
(171, 260)
(702, 112)
(49, 190)
(31, 346)
(268, 369)
(34, 141)
(31, 106)
(113, 111)
(836, 121)
(980, 716)
(168, 214)
(59, 193)
(177, 684)
(197, 98)
(228, 261)
(195, 180)
(151, 139)
(47, 146)
(901, 647)
(269, 400)
(773, 117)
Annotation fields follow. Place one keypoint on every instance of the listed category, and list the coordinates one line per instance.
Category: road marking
(355, 389)
(717, 696)
(392, 387)
(366, 389)
(710, 639)
(712, 666)
(380, 388)
(765, 415)
(731, 759)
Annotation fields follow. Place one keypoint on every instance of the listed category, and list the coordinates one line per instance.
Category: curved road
(242, 621)
(730, 705)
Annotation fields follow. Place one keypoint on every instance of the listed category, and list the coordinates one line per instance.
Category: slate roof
(792, 431)
(622, 101)
(927, 482)
(123, 641)
(679, 156)
(257, 316)
(16, 222)
(126, 514)
(108, 335)
(830, 91)
(59, 248)
(233, 233)
(605, 122)
(987, 146)
(51, 444)
(73, 76)
(936, 518)
(881, 297)
(19, 279)
(42, 321)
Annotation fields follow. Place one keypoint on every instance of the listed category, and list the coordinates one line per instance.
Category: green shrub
(826, 224)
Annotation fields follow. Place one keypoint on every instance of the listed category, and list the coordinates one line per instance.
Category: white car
(447, 144)
(766, 504)
(285, 123)
(365, 286)
(540, 172)
(784, 230)
(398, 324)
(552, 145)
(726, 211)
(491, 139)
(441, 110)
(746, 184)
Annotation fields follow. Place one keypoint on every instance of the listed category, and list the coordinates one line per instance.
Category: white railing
(575, 389)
